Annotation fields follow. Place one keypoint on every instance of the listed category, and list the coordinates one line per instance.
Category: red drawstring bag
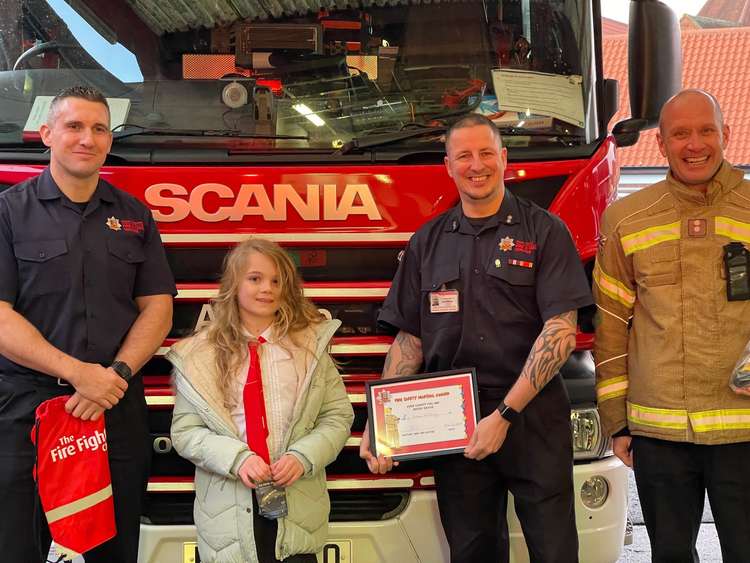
(73, 479)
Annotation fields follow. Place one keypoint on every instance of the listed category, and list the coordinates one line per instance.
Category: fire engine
(319, 124)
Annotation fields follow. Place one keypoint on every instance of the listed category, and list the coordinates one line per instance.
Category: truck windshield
(304, 74)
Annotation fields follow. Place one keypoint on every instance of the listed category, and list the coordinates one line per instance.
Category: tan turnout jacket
(667, 338)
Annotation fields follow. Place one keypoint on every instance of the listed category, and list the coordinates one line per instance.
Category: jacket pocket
(658, 265)
(43, 266)
(125, 256)
(513, 275)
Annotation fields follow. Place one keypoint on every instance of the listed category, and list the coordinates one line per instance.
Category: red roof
(613, 27)
(713, 59)
(732, 10)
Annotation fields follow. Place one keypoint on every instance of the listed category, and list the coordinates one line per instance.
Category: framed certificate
(422, 415)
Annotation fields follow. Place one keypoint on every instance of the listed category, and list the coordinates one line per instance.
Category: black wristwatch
(508, 413)
(122, 369)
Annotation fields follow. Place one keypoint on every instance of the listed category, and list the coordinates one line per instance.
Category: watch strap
(122, 369)
(508, 413)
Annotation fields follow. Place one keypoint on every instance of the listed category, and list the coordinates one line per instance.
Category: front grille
(204, 264)
(541, 191)
(346, 506)
(358, 319)
(357, 506)
(168, 508)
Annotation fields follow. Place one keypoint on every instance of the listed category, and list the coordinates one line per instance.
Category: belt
(34, 380)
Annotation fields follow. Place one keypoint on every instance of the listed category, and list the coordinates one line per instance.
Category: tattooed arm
(549, 352)
(404, 358)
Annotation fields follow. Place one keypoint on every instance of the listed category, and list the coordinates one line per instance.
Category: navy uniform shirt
(73, 273)
(520, 269)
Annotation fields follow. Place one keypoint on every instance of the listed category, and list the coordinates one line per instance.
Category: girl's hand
(287, 470)
(254, 470)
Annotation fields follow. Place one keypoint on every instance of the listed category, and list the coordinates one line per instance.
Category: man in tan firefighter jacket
(670, 330)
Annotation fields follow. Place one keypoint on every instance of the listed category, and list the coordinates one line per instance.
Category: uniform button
(130, 254)
(434, 285)
(42, 254)
(249, 510)
(481, 338)
(476, 270)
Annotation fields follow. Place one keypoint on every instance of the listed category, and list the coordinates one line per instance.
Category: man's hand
(621, 448)
(254, 470)
(99, 384)
(286, 470)
(378, 465)
(80, 407)
(742, 390)
(488, 436)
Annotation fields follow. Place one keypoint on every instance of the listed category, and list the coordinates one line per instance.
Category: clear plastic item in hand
(741, 373)
(271, 501)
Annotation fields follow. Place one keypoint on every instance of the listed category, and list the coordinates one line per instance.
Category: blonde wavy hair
(225, 333)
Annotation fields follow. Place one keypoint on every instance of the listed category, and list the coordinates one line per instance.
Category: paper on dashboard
(540, 93)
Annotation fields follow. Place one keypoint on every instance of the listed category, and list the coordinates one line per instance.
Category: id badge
(271, 501)
(444, 301)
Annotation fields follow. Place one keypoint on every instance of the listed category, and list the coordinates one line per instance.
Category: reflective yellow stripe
(78, 505)
(613, 288)
(612, 388)
(722, 419)
(658, 418)
(649, 237)
(732, 229)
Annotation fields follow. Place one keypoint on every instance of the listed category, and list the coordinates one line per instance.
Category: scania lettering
(254, 199)
(320, 125)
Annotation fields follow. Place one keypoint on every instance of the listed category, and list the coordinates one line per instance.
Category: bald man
(672, 325)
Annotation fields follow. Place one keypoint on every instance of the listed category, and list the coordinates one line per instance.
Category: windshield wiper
(380, 139)
(234, 133)
(520, 131)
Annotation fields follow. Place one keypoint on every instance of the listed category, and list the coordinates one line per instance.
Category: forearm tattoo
(404, 356)
(551, 348)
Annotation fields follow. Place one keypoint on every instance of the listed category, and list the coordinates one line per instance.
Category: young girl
(258, 401)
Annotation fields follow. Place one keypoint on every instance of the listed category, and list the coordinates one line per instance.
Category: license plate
(190, 552)
(335, 551)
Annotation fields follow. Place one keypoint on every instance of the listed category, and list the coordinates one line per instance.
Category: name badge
(444, 301)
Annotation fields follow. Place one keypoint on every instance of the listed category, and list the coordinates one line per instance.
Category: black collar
(508, 214)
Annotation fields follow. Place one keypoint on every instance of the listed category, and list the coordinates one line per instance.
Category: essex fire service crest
(114, 223)
(506, 244)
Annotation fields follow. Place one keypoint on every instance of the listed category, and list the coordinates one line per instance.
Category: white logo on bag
(70, 445)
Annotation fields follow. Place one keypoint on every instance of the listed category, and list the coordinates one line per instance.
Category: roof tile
(714, 60)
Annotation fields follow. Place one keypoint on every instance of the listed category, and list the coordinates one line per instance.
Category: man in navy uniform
(85, 301)
(494, 283)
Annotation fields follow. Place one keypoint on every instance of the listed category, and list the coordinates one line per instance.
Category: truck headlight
(588, 441)
(594, 492)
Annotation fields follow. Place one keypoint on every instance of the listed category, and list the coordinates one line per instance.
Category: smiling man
(494, 283)
(85, 301)
(672, 325)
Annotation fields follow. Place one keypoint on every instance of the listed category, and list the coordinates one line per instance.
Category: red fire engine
(318, 124)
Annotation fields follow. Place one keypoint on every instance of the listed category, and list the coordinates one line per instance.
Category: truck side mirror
(611, 98)
(654, 66)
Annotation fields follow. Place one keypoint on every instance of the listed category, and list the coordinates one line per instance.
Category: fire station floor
(640, 550)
